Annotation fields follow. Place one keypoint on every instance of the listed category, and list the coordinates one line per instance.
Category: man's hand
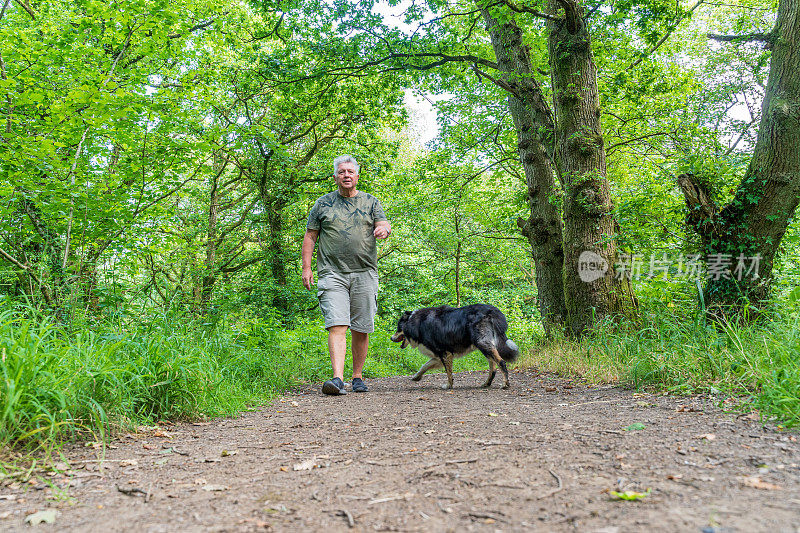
(308, 278)
(382, 229)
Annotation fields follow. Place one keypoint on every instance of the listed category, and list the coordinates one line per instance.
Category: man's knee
(359, 336)
(336, 331)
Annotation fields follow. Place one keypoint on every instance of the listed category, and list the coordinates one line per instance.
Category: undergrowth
(679, 351)
(59, 383)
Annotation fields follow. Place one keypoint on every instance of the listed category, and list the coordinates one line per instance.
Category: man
(346, 222)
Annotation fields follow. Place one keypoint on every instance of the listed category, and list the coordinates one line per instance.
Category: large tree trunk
(741, 239)
(534, 126)
(591, 290)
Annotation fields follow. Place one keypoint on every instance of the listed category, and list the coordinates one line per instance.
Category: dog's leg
(447, 360)
(434, 362)
(505, 373)
(492, 372)
(502, 365)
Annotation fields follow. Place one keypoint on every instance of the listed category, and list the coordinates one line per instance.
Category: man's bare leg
(360, 348)
(337, 347)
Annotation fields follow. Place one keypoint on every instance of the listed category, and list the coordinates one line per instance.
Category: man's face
(346, 175)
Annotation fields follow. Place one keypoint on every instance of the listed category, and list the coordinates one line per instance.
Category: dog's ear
(406, 314)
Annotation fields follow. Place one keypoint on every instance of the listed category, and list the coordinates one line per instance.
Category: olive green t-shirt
(345, 225)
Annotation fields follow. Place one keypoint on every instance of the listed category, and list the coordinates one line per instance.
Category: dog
(445, 333)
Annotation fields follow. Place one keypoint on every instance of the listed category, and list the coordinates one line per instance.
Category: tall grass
(681, 352)
(57, 384)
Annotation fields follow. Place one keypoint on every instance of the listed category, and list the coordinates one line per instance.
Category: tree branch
(243, 265)
(766, 38)
(27, 8)
(196, 27)
(525, 9)
(702, 212)
(574, 23)
(500, 83)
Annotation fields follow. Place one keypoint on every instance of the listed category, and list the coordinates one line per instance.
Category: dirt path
(412, 457)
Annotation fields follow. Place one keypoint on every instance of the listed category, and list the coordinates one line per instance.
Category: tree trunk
(210, 270)
(458, 260)
(591, 290)
(533, 123)
(277, 253)
(741, 239)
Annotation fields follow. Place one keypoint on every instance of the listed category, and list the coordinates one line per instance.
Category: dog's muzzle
(399, 337)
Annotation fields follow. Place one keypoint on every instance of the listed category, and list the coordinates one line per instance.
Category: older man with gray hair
(345, 223)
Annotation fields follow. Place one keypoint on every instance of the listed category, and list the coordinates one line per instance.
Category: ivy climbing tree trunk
(590, 288)
(741, 239)
(533, 123)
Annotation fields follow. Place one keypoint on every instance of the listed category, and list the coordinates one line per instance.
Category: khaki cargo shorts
(349, 299)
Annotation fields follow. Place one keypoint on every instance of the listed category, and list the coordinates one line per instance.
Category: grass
(58, 385)
(680, 352)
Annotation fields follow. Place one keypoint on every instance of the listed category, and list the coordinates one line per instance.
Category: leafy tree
(741, 238)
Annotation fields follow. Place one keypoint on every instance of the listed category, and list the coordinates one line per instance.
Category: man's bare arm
(306, 253)
(382, 229)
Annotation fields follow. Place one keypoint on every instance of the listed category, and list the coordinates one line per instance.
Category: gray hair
(345, 159)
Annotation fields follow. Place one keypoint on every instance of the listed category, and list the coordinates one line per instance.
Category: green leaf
(630, 495)
(636, 426)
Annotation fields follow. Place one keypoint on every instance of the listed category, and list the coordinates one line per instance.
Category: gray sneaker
(359, 386)
(333, 387)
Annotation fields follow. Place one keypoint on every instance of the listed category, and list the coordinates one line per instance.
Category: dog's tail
(507, 349)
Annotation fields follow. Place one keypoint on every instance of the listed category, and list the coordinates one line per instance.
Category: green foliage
(670, 346)
(58, 384)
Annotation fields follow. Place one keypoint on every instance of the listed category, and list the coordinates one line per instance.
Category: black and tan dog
(445, 333)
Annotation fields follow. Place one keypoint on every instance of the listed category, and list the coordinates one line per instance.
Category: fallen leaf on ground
(47, 516)
(756, 483)
(630, 495)
(226, 453)
(636, 426)
(492, 414)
